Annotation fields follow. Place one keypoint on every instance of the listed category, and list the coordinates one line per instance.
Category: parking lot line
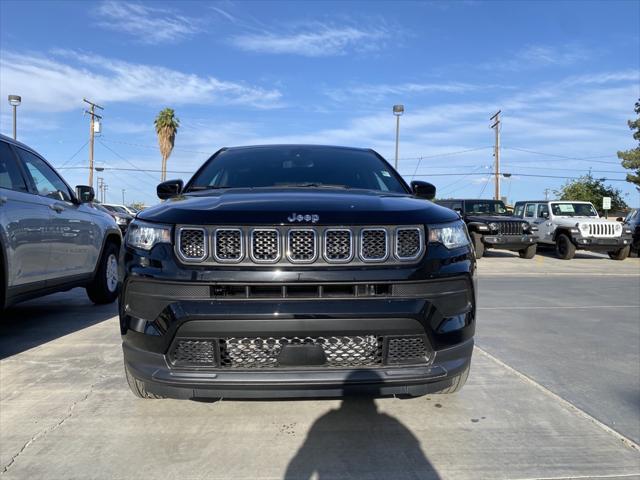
(565, 403)
(556, 307)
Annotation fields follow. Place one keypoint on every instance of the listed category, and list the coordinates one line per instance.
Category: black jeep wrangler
(296, 271)
(492, 226)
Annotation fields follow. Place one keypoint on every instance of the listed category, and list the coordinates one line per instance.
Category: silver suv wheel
(112, 273)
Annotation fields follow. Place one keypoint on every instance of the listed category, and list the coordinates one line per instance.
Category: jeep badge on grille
(295, 217)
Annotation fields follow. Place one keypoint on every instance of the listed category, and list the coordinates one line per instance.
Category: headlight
(145, 235)
(121, 220)
(451, 235)
(483, 227)
(525, 225)
(583, 227)
(493, 226)
(618, 228)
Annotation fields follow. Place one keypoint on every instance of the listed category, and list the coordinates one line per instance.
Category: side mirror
(423, 189)
(619, 219)
(169, 189)
(85, 193)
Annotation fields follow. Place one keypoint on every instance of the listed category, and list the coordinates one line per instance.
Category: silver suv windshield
(572, 209)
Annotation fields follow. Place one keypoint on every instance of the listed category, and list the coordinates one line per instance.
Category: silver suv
(571, 225)
(51, 238)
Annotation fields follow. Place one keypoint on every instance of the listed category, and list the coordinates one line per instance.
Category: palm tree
(166, 127)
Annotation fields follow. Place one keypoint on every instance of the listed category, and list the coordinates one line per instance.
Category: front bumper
(163, 303)
(601, 244)
(509, 242)
(153, 370)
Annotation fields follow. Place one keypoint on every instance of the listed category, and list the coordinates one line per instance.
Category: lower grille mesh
(194, 353)
(264, 352)
(258, 352)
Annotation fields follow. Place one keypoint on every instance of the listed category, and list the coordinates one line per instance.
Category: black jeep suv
(492, 226)
(296, 271)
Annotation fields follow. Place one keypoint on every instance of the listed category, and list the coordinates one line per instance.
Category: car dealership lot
(555, 396)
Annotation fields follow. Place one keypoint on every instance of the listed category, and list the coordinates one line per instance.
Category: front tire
(457, 382)
(137, 387)
(565, 249)
(104, 287)
(478, 246)
(528, 252)
(620, 254)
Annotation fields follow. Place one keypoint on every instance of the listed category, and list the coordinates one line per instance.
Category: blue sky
(564, 74)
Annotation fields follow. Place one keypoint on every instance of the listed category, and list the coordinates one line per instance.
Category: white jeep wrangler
(572, 225)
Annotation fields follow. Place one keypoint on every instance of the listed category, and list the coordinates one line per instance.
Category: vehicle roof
(16, 143)
(295, 145)
(551, 201)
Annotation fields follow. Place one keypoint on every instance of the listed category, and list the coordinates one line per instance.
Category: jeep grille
(373, 244)
(302, 245)
(228, 245)
(265, 245)
(510, 228)
(602, 229)
(312, 245)
(338, 245)
(192, 242)
(408, 243)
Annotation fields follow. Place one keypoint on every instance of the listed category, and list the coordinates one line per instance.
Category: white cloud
(378, 92)
(58, 83)
(149, 25)
(313, 40)
(540, 56)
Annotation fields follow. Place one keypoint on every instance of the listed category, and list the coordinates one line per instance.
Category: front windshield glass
(487, 207)
(264, 167)
(571, 209)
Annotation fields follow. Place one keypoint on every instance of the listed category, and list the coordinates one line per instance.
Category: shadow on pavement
(358, 441)
(29, 324)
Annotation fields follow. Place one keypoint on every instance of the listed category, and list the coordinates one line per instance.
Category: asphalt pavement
(553, 393)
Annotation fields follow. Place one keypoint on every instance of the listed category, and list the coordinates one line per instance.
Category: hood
(571, 221)
(492, 218)
(275, 207)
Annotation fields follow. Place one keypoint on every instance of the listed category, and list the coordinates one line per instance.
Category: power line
(564, 156)
(519, 174)
(446, 154)
(66, 162)
(124, 169)
(126, 160)
(154, 147)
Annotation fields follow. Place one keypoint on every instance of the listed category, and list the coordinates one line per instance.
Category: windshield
(264, 167)
(571, 209)
(491, 207)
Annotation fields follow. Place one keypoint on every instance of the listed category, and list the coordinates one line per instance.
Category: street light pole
(123, 190)
(14, 101)
(397, 111)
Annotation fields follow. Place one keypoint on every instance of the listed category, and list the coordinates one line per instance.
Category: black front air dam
(153, 370)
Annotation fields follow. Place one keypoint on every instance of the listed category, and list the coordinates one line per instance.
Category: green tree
(589, 189)
(166, 127)
(137, 205)
(631, 158)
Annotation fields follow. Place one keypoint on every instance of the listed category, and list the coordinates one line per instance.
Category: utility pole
(105, 187)
(93, 115)
(546, 193)
(100, 185)
(123, 190)
(496, 126)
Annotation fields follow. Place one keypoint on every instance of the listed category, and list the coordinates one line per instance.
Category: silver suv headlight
(451, 235)
(145, 235)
